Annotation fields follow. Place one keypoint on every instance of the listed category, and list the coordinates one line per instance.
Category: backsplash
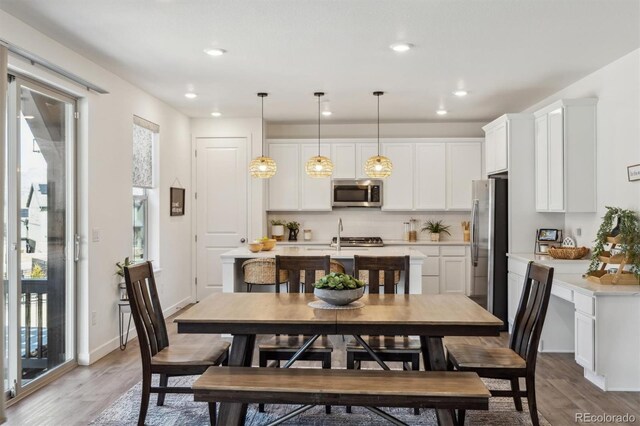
(368, 223)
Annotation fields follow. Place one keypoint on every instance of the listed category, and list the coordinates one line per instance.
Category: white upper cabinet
(344, 160)
(315, 193)
(431, 177)
(497, 146)
(284, 187)
(397, 189)
(565, 143)
(464, 164)
(364, 151)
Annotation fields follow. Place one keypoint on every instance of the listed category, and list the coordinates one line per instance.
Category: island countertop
(345, 253)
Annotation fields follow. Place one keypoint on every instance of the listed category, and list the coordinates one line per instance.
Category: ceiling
(508, 54)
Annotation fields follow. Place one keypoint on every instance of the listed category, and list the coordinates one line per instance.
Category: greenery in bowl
(338, 281)
(436, 227)
(278, 222)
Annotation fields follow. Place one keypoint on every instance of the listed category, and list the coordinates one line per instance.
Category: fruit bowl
(268, 244)
(339, 297)
(255, 247)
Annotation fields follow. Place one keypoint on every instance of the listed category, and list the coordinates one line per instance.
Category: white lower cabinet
(453, 274)
(515, 283)
(445, 270)
(585, 340)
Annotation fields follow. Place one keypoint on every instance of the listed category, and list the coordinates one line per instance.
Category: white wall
(617, 87)
(104, 185)
(369, 223)
(369, 130)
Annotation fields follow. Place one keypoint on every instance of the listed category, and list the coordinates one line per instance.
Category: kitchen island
(232, 279)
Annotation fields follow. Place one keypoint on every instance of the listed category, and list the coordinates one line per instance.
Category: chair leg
(212, 413)
(461, 414)
(515, 387)
(415, 366)
(531, 399)
(144, 400)
(249, 286)
(262, 362)
(326, 364)
(164, 381)
(351, 365)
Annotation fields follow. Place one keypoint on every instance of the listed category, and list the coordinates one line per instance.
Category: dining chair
(389, 348)
(519, 359)
(301, 271)
(261, 272)
(158, 356)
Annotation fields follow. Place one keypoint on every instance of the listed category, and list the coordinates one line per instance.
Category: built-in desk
(599, 324)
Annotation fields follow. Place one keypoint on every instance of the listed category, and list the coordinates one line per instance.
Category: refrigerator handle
(474, 233)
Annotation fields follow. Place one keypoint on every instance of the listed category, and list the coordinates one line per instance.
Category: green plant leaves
(338, 281)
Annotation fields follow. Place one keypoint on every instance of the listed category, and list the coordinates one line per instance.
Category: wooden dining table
(245, 315)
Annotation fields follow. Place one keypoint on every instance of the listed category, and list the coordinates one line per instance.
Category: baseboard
(113, 344)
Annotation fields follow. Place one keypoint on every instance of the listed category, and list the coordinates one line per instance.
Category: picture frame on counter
(633, 172)
(176, 199)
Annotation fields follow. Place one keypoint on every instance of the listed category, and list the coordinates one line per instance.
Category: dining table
(427, 316)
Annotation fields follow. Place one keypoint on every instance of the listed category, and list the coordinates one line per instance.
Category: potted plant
(625, 234)
(338, 288)
(277, 229)
(120, 273)
(436, 228)
(294, 228)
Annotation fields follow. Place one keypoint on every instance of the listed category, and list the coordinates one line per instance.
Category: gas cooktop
(358, 242)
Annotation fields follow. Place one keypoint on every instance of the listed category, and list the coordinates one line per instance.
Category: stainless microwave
(356, 193)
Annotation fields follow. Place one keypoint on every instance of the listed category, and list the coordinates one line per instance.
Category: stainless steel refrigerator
(489, 240)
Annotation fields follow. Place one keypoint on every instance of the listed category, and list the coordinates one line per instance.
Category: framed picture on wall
(633, 172)
(177, 201)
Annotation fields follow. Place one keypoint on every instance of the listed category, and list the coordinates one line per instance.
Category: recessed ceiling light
(401, 47)
(326, 113)
(215, 52)
(441, 111)
(460, 93)
(216, 114)
(190, 95)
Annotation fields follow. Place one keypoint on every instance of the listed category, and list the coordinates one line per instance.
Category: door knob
(242, 240)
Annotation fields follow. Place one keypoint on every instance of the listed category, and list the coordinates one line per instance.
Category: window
(145, 135)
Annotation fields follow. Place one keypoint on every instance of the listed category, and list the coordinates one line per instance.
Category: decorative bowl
(268, 244)
(255, 247)
(339, 297)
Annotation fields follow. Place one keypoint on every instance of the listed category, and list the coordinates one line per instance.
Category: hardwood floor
(79, 396)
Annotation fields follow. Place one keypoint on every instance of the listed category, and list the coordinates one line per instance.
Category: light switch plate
(95, 235)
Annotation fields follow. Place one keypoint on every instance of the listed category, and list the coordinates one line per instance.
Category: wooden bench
(374, 388)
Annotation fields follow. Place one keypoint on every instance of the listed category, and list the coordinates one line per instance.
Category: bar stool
(262, 271)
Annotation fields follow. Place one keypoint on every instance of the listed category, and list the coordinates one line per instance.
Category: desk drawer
(562, 292)
(452, 251)
(584, 304)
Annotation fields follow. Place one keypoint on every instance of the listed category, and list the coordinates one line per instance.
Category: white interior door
(221, 185)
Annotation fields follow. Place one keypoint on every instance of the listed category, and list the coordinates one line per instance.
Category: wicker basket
(262, 272)
(570, 253)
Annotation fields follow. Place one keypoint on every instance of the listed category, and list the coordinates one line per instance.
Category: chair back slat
(302, 267)
(389, 265)
(531, 313)
(146, 309)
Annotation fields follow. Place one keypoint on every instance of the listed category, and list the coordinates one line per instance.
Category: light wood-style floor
(80, 395)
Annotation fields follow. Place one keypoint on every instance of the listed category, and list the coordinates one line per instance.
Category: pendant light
(378, 166)
(319, 166)
(262, 167)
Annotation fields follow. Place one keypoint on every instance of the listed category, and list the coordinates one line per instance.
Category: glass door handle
(76, 248)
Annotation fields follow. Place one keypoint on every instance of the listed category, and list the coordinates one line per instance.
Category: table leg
(233, 414)
(434, 359)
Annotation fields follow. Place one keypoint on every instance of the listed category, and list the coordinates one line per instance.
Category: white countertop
(547, 260)
(386, 243)
(345, 253)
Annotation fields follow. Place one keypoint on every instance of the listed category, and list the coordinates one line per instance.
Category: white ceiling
(507, 53)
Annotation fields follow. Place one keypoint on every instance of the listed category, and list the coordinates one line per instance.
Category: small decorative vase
(293, 234)
(277, 232)
(435, 237)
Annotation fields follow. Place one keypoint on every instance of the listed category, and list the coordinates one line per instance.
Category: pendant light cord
(378, 125)
(262, 125)
(319, 125)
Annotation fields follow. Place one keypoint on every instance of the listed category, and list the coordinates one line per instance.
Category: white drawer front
(428, 250)
(584, 304)
(452, 251)
(562, 292)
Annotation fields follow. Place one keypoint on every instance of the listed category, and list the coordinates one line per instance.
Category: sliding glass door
(40, 228)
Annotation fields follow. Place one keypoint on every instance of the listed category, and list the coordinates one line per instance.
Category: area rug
(181, 410)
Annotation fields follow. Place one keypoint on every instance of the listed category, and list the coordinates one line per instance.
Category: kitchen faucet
(340, 228)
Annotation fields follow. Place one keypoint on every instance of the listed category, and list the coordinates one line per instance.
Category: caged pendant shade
(319, 166)
(262, 167)
(378, 166)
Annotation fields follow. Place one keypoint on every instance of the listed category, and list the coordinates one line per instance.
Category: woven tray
(319, 304)
(569, 253)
